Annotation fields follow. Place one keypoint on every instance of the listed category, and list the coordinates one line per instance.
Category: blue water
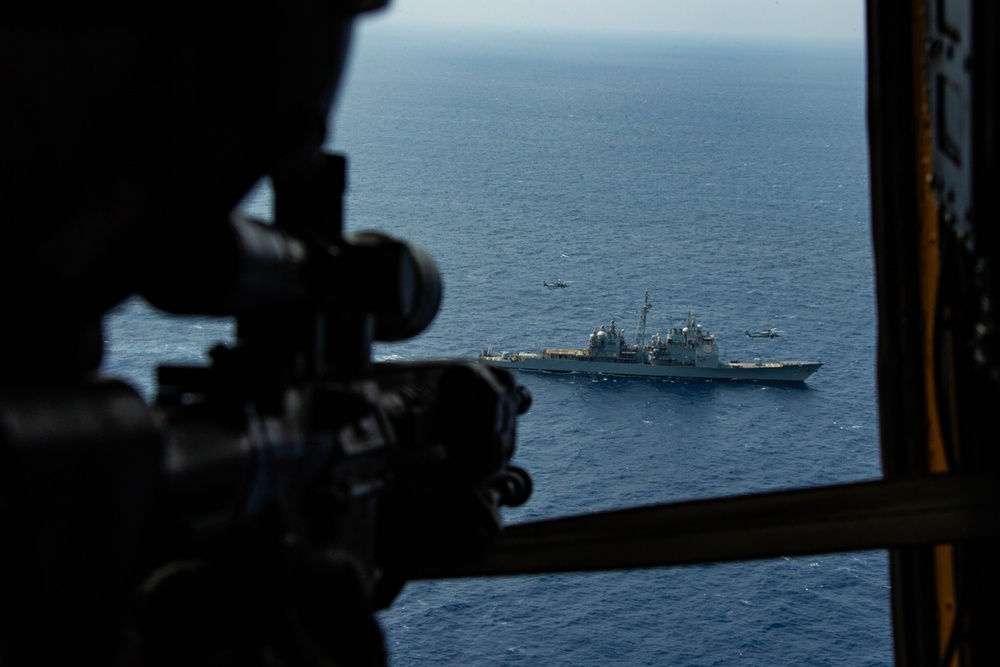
(727, 179)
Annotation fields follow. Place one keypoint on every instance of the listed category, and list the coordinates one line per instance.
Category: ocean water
(727, 179)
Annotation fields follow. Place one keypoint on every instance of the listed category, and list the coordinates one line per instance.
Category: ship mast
(640, 330)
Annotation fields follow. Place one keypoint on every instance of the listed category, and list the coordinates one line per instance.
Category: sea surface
(729, 179)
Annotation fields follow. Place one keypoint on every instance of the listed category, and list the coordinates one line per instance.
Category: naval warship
(685, 352)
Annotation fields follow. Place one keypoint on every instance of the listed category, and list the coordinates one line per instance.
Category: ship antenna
(640, 330)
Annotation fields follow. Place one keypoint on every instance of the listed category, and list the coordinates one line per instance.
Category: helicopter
(766, 333)
(935, 507)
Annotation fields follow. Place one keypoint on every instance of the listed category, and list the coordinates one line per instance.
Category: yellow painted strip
(929, 279)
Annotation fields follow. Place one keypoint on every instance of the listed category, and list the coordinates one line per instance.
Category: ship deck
(757, 371)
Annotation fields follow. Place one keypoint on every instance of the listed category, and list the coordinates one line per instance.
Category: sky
(810, 19)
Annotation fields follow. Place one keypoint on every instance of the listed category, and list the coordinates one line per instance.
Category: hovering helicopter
(558, 283)
(766, 333)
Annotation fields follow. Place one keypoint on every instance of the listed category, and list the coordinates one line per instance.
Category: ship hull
(786, 371)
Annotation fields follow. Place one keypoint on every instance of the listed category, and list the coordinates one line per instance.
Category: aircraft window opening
(829, 190)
